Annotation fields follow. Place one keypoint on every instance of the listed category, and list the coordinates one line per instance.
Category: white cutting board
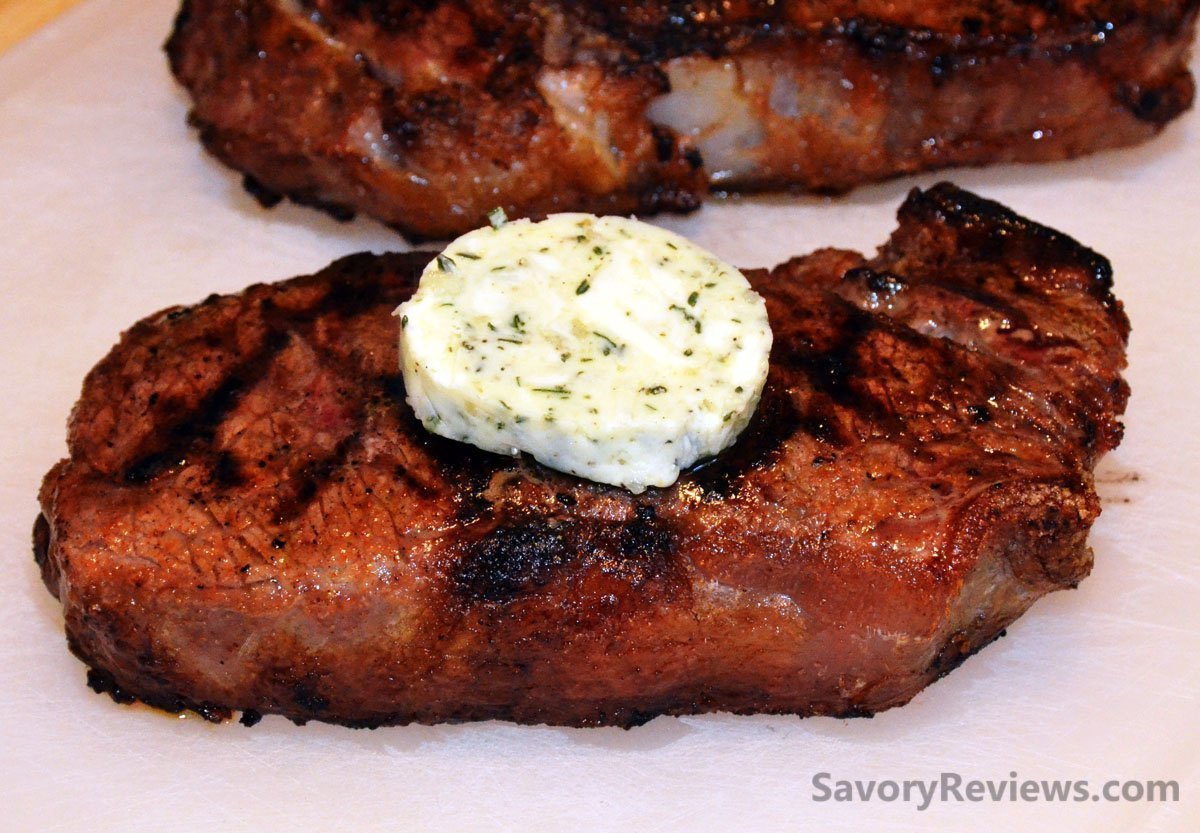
(110, 211)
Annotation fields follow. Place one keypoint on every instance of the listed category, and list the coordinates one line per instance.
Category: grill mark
(995, 233)
(356, 290)
(1017, 319)
(1010, 374)
(349, 299)
(173, 444)
(831, 370)
(306, 484)
(413, 483)
(819, 420)
(829, 373)
(774, 422)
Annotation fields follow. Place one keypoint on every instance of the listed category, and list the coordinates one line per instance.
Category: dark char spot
(877, 39)
(226, 470)
(646, 545)
(265, 196)
(1157, 105)
(103, 682)
(664, 143)
(41, 541)
(979, 414)
(305, 695)
(250, 717)
(511, 560)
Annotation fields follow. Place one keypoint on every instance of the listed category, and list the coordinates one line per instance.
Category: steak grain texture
(427, 115)
(250, 518)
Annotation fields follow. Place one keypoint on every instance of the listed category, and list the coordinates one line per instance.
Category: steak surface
(251, 519)
(427, 115)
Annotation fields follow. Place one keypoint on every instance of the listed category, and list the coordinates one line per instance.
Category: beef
(251, 519)
(427, 115)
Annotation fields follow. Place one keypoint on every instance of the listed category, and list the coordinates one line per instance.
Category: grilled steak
(427, 115)
(251, 519)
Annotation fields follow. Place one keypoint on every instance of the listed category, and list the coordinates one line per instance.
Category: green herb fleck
(558, 390)
(687, 316)
(403, 321)
(596, 250)
(467, 255)
(656, 390)
(445, 263)
(583, 287)
(518, 324)
(610, 345)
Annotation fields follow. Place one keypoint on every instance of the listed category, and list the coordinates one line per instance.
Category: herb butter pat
(602, 346)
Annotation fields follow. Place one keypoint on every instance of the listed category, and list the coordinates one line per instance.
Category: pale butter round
(601, 346)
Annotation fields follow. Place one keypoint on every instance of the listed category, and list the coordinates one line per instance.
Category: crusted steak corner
(250, 519)
(427, 115)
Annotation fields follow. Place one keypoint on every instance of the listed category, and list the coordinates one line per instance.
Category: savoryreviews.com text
(951, 787)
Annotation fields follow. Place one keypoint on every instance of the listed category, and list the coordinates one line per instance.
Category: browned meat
(426, 115)
(250, 518)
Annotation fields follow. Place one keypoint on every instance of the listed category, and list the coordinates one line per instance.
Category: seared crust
(427, 115)
(250, 519)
